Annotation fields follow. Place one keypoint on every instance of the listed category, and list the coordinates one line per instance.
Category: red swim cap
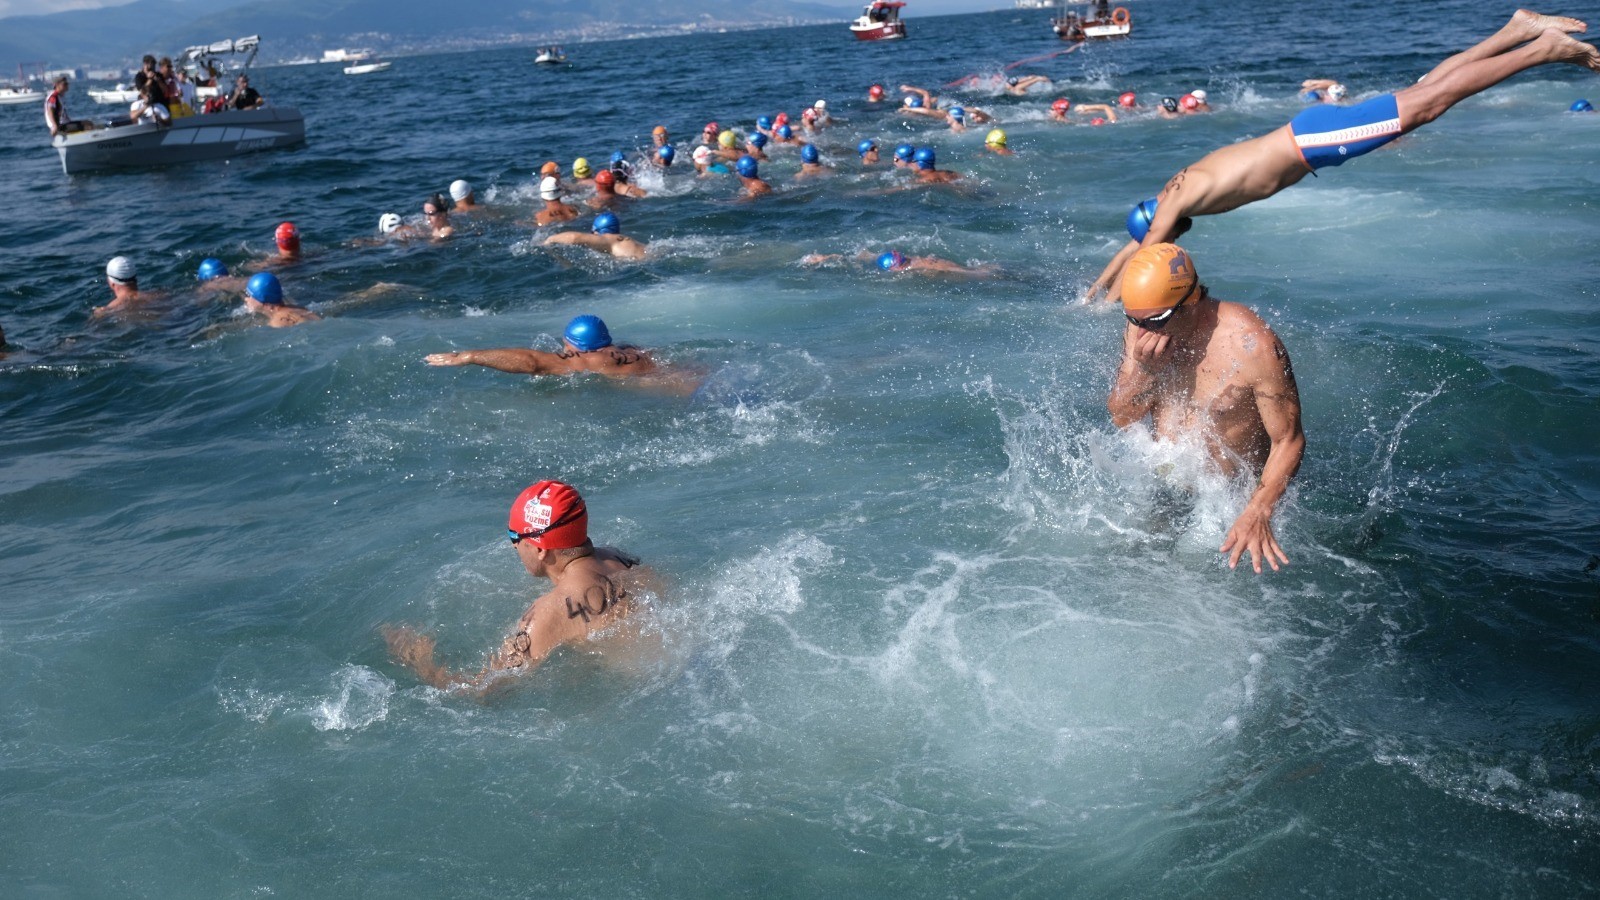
(875, 91)
(782, 119)
(1189, 102)
(1061, 105)
(288, 236)
(551, 515)
(1128, 99)
(604, 177)
(1097, 121)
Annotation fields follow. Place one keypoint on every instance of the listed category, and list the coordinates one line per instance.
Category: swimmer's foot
(1535, 24)
(1565, 48)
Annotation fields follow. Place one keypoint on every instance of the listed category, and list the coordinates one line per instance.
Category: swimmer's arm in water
(414, 650)
(1104, 110)
(515, 360)
(1278, 401)
(1134, 395)
(1110, 281)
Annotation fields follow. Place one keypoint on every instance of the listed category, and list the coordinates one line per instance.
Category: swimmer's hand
(1252, 531)
(453, 358)
(1143, 346)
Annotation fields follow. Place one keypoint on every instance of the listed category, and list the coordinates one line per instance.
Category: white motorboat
(190, 139)
(9, 95)
(880, 21)
(367, 68)
(550, 56)
(120, 94)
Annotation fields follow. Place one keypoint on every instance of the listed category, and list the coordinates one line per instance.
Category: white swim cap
(820, 104)
(549, 188)
(702, 155)
(1198, 95)
(120, 269)
(1336, 91)
(389, 223)
(460, 190)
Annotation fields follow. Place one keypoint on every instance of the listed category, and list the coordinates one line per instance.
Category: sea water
(932, 630)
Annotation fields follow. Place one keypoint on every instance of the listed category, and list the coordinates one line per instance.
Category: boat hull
(190, 139)
(13, 97)
(879, 31)
(367, 68)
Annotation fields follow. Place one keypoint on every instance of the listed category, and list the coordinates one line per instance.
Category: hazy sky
(927, 7)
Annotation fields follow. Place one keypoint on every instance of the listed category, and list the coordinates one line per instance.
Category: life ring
(1119, 16)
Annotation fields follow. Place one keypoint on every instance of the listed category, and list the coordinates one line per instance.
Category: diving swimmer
(1327, 135)
(1200, 367)
(592, 591)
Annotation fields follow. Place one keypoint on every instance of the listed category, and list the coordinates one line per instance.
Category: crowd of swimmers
(1183, 349)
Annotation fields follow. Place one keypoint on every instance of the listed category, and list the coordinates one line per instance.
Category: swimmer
(919, 103)
(1324, 135)
(995, 142)
(707, 163)
(819, 117)
(622, 175)
(708, 135)
(893, 261)
(1128, 100)
(554, 210)
(1322, 90)
(784, 134)
(1199, 367)
(956, 117)
(764, 126)
(749, 173)
(437, 213)
(1194, 102)
(123, 279)
(605, 193)
(728, 146)
(903, 155)
(875, 94)
(811, 163)
(1581, 106)
(582, 172)
(263, 295)
(586, 346)
(214, 277)
(663, 156)
(1098, 111)
(658, 136)
(593, 593)
(1059, 108)
(605, 236)
(1169, 108)
(926, 170)
(755, 146)
(461, 193)
(1019, 86)
(287, 239)
(868, 151)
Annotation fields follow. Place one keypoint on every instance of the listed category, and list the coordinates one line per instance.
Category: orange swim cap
(1158, 278)
(659, 129)
(551, 515)
(550, 168)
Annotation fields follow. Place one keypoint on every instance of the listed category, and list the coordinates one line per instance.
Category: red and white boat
(880, 21)
(1103, 22)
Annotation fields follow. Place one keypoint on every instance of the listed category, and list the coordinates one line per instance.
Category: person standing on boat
(148, 75)
(55, 110)
(1323, 136)
(186, 93)
(170, 87)
(244, 96)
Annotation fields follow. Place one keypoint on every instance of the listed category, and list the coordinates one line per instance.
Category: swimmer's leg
(1421, 103)
(1525, 25)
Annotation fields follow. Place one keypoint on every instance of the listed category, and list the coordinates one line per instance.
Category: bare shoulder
(1252, 339)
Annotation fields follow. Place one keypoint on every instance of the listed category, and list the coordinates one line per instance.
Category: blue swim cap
(957, 113)
(587, 333)
(924, 158)
(606, 223)
(759, 139)
(747, 166)
(904, 152)
(785, 132)
(866, 146)
(666, 153)
(764, 122)
(210, 268)
(891, 260)
(1582, 106)
(914, 101)
(617, 157)
(1140, 217)
(263, 287)
(809, 153)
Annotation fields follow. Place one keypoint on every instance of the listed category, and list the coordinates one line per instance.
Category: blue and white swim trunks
(1329, 135)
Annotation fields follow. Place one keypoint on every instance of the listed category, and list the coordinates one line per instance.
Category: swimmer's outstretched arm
(414, 650)
(1278, 402)
(1109, 282)
(927, 98)
(510, 359)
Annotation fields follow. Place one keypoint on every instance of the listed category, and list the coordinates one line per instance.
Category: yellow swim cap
(725, 139)
(580, 168)
(1158, 278)
(997, 138)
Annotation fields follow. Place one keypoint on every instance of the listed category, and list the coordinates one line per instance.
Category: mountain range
(118, 35)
